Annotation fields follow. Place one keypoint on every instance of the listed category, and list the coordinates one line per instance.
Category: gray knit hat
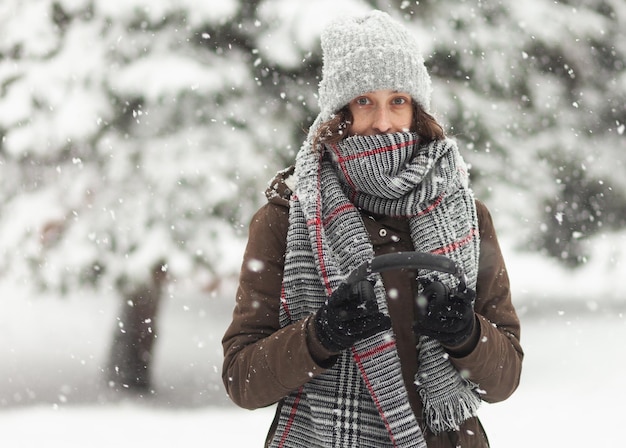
(367, 53)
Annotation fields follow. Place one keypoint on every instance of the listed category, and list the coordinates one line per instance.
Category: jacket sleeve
(495, 363)
(263, 362)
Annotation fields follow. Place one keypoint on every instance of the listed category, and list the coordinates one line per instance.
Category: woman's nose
(382, 121)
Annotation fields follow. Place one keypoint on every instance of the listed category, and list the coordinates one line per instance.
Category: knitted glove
(348, 316)
(449, 318)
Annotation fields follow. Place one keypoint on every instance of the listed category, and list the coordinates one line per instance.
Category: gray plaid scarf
(361, 401)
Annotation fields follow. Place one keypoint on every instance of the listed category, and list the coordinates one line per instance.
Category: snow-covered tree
(126, 152)
(536, 92)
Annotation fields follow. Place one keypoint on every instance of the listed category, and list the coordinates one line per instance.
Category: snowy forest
(138, 136)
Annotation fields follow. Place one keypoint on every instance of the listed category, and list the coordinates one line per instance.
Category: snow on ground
(52, 393)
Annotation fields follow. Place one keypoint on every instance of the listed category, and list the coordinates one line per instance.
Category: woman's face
(381, 112)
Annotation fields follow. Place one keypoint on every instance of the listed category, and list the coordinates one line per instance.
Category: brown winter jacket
(263, 363)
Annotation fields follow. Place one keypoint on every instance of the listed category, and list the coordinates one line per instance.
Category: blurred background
(138, 136)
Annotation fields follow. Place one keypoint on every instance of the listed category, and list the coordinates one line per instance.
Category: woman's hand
(445, 316)
(348, 316)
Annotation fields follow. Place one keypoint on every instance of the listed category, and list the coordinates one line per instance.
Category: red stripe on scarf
(317, 222)
(428, 209)
(319, 248)
(456, 244)
(372, 392)
(292, 416)
(342, 159)
(338, 211)
(342, 167)
(381, 348)
(283, 301)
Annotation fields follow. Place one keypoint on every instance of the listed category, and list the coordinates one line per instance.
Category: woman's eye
(399, 101)
(362, 101)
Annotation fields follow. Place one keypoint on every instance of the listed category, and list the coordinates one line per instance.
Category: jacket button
(382, 232)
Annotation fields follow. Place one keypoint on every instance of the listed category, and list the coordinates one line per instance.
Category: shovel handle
(412, 260)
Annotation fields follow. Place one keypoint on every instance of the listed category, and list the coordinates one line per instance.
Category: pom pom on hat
(367, 53)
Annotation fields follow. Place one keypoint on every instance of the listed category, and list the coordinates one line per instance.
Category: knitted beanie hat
(367, 53)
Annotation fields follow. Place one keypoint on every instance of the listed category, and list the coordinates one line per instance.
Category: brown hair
(337, 128)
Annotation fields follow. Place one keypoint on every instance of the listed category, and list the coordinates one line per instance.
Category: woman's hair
(338, 127)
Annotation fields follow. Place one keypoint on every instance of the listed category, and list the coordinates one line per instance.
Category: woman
(395, 360)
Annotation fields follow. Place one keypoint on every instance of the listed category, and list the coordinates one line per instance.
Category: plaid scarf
(361, 401)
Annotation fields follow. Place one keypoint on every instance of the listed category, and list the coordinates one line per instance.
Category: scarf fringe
(448, 398)
(443, 416)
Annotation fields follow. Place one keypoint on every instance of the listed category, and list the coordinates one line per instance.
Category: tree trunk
(135, 335)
